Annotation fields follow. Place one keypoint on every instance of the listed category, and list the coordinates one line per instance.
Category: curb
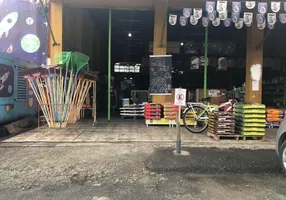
(237, 145)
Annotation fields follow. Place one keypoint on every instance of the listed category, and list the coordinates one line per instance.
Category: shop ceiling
(135, 4)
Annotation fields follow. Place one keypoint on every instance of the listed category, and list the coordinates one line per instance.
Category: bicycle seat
(206, 99)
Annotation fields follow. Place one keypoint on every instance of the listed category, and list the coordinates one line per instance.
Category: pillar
(159, 18)
(254, 64)
(56, 21)
(158, 49)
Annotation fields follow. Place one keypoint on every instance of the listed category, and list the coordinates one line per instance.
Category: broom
(79, 60)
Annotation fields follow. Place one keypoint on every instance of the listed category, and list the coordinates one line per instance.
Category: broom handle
(67, 96)
(55, 92)
(51, 91)
(44, 100)
(71, 92)
(39, 99)
(78, 101)
(82, 96)
(49, 100)
(75, 95)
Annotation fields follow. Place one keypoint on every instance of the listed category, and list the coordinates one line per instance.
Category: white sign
(221, 6)
(180, 97)
(214, 93)
(250, 4)
(271, 18)
(223, 15)
(275, 6)
(248, 18)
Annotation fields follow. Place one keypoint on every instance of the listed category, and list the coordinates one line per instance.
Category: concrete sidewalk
(126, 131)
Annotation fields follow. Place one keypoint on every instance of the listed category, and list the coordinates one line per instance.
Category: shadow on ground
(214, 161)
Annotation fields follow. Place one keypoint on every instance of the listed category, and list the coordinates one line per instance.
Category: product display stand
(132, 111)
(274, 117)
(170, 112)
(250, 120)
(168, 117)
(221, 125)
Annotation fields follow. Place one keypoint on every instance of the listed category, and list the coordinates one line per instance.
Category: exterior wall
(26, 37)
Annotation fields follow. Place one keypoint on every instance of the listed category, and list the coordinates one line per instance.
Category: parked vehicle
(17, 99)
(281, 145)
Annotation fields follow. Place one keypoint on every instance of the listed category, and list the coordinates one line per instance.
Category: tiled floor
(131, 131)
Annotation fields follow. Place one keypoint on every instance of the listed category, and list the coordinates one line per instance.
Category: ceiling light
(182, 44)
(129, 35)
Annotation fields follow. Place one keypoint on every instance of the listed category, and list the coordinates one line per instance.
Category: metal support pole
(178, 126)
(206, 63)
(94, 103)
(109, 65)
(48, 22)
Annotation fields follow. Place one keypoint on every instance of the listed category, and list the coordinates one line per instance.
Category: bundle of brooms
(61, 89)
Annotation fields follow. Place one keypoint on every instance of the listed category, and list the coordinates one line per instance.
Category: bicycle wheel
(191, 123)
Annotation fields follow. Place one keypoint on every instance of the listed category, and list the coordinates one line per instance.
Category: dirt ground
(138, 171)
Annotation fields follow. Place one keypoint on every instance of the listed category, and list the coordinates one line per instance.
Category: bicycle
(198, 113)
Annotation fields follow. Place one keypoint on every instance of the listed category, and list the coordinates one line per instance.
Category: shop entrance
(131, 36)
(228, 61)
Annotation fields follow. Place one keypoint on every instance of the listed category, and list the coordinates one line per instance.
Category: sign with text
(161, 75)
(180, 96)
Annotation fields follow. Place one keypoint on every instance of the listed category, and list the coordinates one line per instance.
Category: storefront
(225, 48)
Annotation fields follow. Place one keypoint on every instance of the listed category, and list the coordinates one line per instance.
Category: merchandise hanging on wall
(198, 13)
(223, 15)
(236, 7)
(187, 12)
(248, 18)
(205, 21)
(216, 22)
(227, 22)
(239, 24)
(193, 20)
(183, 20)
(262, 8)
(216, 12)
(24, 30)
(250, 4)
(212, 16)
(282, 18)
(275, 6)
(173, 19)
(221, 6)
(210, 6)
(234, 17)
(271, 18)
(261, 26)
(260, 18)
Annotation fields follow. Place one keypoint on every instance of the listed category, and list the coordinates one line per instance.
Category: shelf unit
(274, 93)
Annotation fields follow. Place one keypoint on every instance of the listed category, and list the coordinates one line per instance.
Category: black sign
(160, 75)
